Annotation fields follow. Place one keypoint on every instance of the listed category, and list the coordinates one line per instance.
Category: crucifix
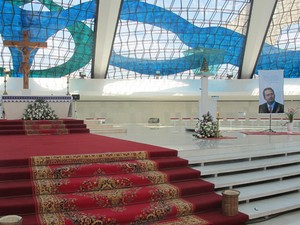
(25, 47)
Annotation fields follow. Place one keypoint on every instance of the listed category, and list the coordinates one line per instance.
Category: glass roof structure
(66, 26)
(281, 49)
(155, 36)
(165, 39)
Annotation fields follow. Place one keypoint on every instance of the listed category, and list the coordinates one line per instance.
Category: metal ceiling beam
(259, 21)
(107, 20)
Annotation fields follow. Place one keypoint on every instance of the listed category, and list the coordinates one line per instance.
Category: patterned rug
(87, 158)
(139, 214)
(102, 188)
(42, 127)
(112, 188)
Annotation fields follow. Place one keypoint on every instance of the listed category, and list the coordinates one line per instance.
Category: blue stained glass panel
(66, 26)
(281, 50)
(181, 26)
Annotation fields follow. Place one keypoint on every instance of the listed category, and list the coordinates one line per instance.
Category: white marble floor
(291, 218)
(176, 137)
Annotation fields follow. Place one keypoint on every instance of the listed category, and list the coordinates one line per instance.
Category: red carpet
(270, 133)
(42, 127)
(218, 138)
(91, 179)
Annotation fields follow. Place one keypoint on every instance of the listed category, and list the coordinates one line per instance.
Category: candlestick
(5, 80)
(68, 85)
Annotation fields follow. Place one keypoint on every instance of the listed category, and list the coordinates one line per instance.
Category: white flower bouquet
(39, 110)
(206, 127)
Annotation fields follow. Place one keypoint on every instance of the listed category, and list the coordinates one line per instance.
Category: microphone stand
(270, 124)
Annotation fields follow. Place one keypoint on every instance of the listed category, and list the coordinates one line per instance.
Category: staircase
(98, 126)
(105, 187)
(42, 127)
(267, 177)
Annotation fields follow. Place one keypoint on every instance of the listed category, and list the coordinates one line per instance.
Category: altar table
(14, 106)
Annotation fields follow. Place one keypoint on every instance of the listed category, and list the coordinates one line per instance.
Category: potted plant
(290, 114)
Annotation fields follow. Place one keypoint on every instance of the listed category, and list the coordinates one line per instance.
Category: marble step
(99, 126)
(195, 156)
(230, 167)
(254, 177)
(256, 191)
(271, 206)
(108, 130)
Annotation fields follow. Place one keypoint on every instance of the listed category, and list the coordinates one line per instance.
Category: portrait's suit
(278, 108)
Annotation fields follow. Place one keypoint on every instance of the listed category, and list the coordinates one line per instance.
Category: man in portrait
(270, 106)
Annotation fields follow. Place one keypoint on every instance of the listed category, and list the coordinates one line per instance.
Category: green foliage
(290, 114)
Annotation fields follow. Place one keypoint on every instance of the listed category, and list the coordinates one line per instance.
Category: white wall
(99, 89)
(135, 101)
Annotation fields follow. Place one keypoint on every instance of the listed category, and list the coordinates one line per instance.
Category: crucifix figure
(25, 47)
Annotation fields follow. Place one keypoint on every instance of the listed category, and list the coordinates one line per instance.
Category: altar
(14, 106)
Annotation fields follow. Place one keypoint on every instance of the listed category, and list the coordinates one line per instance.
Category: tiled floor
(176, 137)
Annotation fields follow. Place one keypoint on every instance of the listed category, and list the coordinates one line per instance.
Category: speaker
(76, 97)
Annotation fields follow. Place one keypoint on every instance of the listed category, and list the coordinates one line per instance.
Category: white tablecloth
(14, 106)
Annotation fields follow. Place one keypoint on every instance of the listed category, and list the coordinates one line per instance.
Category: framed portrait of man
(271, 95)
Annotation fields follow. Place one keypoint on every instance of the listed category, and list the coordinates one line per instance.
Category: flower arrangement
(206, 127)
(291, 114)
(39, 110)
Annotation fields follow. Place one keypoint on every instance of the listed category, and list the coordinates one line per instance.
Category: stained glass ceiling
(167, 39)
(282, 44)
(66, 26)
(153, 36)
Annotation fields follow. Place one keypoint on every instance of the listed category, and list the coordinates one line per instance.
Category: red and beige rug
(137, 187)
(42, 127)
(270, 133)
(102, 188)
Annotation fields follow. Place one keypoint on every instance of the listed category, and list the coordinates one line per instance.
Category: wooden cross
(25, 47)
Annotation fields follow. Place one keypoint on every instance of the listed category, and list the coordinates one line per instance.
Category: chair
(186, 120)
(174, 120)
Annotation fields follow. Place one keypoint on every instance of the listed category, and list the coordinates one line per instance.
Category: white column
(261, 14)
(203, 106)
(108, 15)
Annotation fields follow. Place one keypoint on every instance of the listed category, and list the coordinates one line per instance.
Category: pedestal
(203, 106)
(290, 126)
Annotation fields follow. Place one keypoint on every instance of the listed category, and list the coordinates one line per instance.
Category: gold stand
(6, 72)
